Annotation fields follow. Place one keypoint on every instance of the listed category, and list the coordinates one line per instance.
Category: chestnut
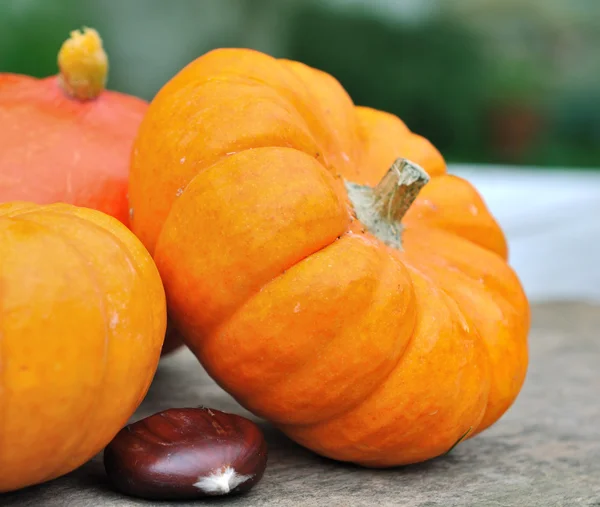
(186, 453)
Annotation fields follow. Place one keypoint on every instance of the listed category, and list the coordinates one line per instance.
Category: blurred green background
(487, 81)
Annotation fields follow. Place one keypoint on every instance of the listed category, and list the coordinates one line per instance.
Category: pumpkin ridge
(499, 300)
(293, 92)
(476, 428)
(125, 250)
(414, 266)
(494, 296)
(386, 264)
(320, 116)
(284, 70)
(58, 210)
(501, 290)
(453, 205)
(410, 266)
(358, 402)
(269, 138)
(322, 185)
(215, 328)
(340, 421)
(454, 236)
(300, 367)
(98, 221)
(228, 153)
(89, 413)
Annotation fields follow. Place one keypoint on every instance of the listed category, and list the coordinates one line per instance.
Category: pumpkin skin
(360, 351)
(82, 321)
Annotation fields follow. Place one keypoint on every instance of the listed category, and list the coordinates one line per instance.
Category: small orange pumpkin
(368, 311)
(82, 322)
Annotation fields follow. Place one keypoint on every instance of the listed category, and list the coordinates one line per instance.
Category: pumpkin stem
(381, 208)
(83, 65)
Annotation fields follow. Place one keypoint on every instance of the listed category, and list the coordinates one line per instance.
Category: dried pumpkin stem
(83, 65)
(381, 208)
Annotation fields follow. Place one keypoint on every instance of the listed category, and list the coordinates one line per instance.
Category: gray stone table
(544, 452)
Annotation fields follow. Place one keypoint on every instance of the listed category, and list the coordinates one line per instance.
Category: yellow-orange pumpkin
(82, 322)
(368, 327)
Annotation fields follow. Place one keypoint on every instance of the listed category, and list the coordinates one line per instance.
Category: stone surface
(545, 451)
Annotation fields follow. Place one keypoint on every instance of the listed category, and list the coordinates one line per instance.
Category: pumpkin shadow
(181, 381)
(88, 477)
(92, 476)
(21, 495)
(425, 467)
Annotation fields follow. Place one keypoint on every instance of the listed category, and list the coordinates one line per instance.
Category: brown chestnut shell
(186, 453)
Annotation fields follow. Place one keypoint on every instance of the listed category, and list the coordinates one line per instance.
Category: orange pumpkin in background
(316, 272)
(82, 322)
(66, 138)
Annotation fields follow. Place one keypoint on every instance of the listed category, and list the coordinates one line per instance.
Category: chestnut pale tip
(221, 482)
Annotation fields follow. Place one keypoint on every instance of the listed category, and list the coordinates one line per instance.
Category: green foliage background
(460, 72)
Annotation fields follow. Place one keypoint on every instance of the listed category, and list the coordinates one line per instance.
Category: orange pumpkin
(65, 138)
(369, 323)
(82, 321)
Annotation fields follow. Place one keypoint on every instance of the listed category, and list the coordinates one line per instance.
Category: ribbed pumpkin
(82, 322)
(66, 138)
(369, 323)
